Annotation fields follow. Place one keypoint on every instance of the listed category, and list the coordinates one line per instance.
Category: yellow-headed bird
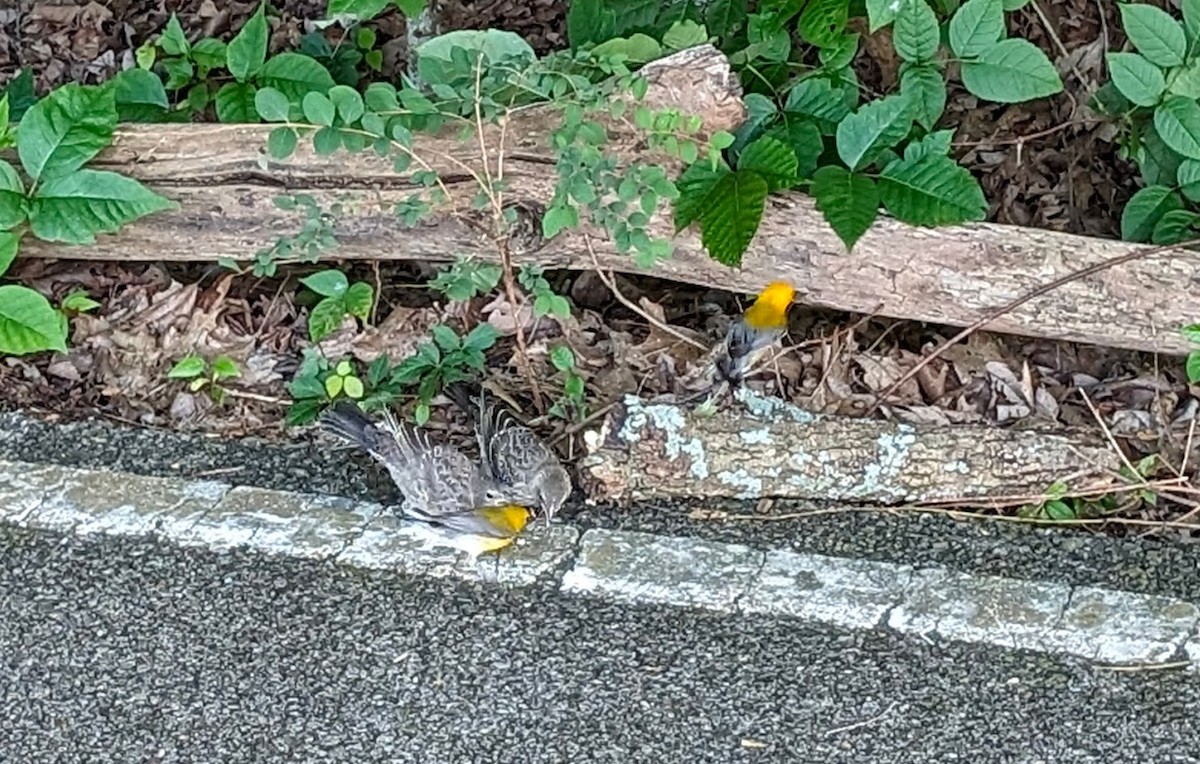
(750, 336)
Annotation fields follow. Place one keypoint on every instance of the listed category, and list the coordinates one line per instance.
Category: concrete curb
(1103, 625)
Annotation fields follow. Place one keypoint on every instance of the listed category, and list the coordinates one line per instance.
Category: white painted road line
(1097, 624)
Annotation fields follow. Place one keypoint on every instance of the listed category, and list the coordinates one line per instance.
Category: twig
(862, 723)
(1134, 474)
(569, 431)
(987, 318)
(1143, 667)
(612, 287)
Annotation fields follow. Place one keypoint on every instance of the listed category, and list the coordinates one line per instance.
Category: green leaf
(65, 130)
(880, 13)
(359, 9)
(724, 17)
(445, 337)
(281, 142)
(1011, 71)
(209, 53)
(327, 283)
(76, 301)
(1143, 211)
(235, 103)
(247, 51)
(915, 32)
(1136, 78)
(1154, 33)
(562, 358)
(849, 202)
(728, 225)
(358, 300)
(1193, 367)
(138, 95)
(1185, 80)
(318, 109)
(482, 337)
(816, 97)
(9, 244)
(20, 93)
(1191, 333)
(823, 21)
(348, 102)
(173, 40)
(976, 26)
(224, 367)
(1059, 510)
(695, 190)
(12, 198)
(875, 127)
(1177, 121)
(1175, 227)
(1191, 22)
(1188, 178)
(353, 387)
(294, 75)
(325, 318)
(187, 367)
(931, 190)
(326, 141)
(73, 208)
(926, 91)
(333, 384)
(272, 105)
(771, 159)
(557, 218)
(28, 323)
(804, 139)
(684, 34)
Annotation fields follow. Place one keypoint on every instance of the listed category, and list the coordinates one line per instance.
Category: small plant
(465, 279)
(572, 404)
(318, 382)
(447, 359)
(204, 375)
(339, 298)
(1060, 505)
(546, 302)
(315, 237)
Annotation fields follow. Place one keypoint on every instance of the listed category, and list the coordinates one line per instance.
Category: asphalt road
(122, 650)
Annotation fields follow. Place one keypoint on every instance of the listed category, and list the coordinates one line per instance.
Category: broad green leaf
(769, 41)
(1157, 162)
(823, 21)
(874, 128)
(353, 387)
(724, 17)
(77, 301)
(841, 53)
(1191, 333)
(1177, 121)
(976, 26)
(65, 130)
(358, 300)
(12, 198)
(1144, 210)
(187, 367)
(925, 88)
(348, 102)
(1136, 78)
(139, 95)
(334, 382)
(362, 10)
(327, 283)
(179, 72)
(1193, 367)
(728, 225)
(271, 104)
(318, 109)
(281, 143)
(325, 317)
(247, 51)
(10, 243)
(1191, 23)
(482, 337)
(1011, 71)
(880, 13)
(173, 40)
(771, 159)
(557, 218)
(937, 144)
(20, 94)
(562, 358)
(235, 103)
(1154, 33)
(638, 48)
(931, 191)
(74, 208)
(760, 112)
(849, 202)
(684, 34)
(1185, 80)
(1175, 227)
(294, 75)
(1188, 176)
(695, 191)
(804, 139)
(209, 53)
(816, 97)
(28, 323)
(915, 31)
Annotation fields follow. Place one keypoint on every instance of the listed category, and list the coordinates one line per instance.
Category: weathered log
(767, 448)
(951, 275)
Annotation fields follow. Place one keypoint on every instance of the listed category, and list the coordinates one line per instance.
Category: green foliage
(205, 375)
(572, 404)
(339, 298)
(54, 197)
(1153, 92)
(1192, 366)
(315, 237)
(448, 358)
(546, 302)
(319, 381)
(1060, 504)
(465, 279)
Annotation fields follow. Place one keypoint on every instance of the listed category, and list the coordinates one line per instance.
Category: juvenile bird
(512, 454)
(750, 336)
(443, 489)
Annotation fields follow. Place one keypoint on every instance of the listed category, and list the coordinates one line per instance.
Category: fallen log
(226, 186)
(768, 448)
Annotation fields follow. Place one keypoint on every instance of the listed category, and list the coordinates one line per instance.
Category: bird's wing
(435, 479)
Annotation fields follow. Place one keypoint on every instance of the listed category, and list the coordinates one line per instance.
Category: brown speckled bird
(511, 453)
